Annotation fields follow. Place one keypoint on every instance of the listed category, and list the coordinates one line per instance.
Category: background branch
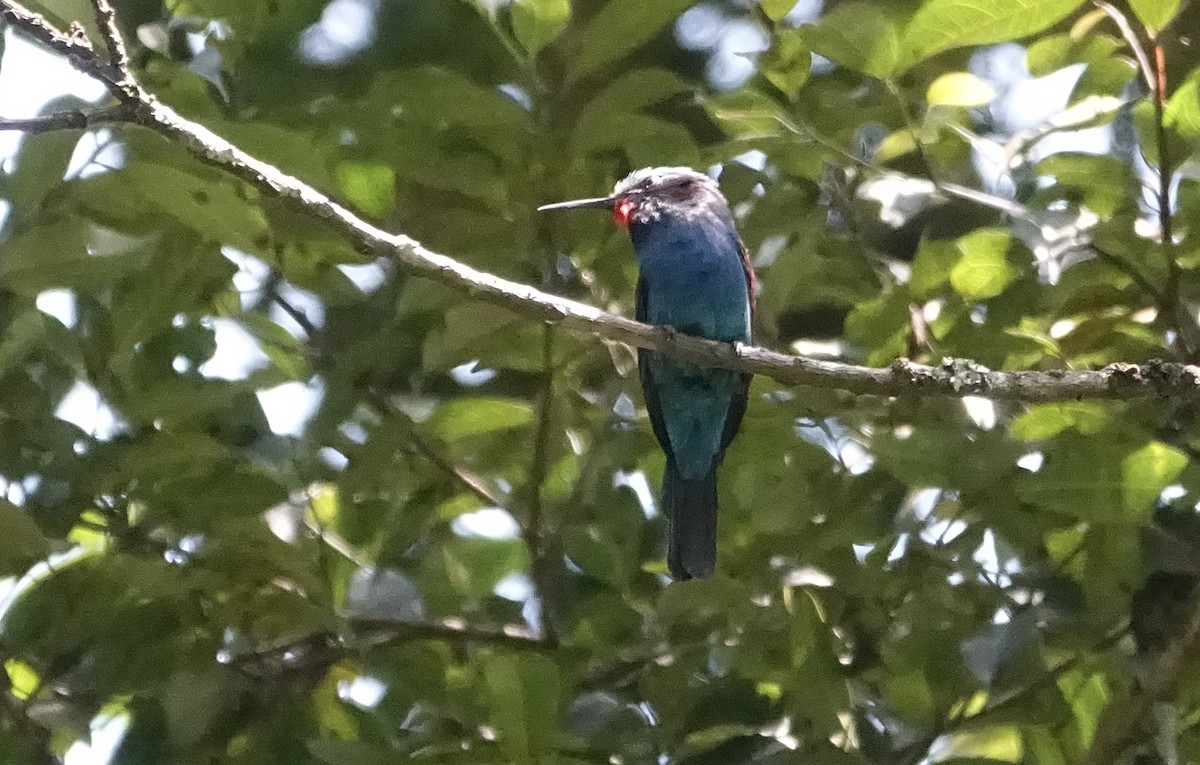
(73, 119)
(374, 633)
(321, 649)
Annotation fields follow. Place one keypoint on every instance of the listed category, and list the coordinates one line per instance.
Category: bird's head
(651, 193)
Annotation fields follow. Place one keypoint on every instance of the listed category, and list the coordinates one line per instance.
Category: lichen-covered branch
(951, 378)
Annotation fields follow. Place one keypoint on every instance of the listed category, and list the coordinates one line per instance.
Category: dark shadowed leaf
(620, 27)
(523, 696)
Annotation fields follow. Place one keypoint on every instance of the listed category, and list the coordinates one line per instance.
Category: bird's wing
(751, 279)
(737, 407)
(649, 391)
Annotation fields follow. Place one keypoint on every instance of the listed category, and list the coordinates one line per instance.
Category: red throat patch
(622, 212)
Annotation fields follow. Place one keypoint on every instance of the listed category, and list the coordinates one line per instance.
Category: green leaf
(908, 692)
(881, 323)
(66, 253)
(619, 28)
(787, 63)
(932, 265)
(1101, 183)
(435, 97)
(895, 145)
(940, 25)
(1183, 110)
(1055, 52)
(184, 278)
(523, 691)
(857, 35)
(21, 542)
(370, 187)
(1183, 117)
(191, 702)
(959, 89)
(1044, 748)
(1146, 472)
(984, 270)
(333, 751)
(777, 9)
(287, 354)
(990, 744)
(22, 338)
(41, 161)
(133, 198)
(634, 91)
(645, 140)
(628, 94)
(537, 22)
(746, 111)
(1043, 421)
(496, 337)
(1087, 477)
(1156, 14)
(462, 417)
(1106, 77)
(1089, 695)
(1002, 649)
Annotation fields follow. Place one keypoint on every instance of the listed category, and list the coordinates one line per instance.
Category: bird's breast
(695, 281)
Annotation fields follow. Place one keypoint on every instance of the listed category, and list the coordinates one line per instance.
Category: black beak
(605, 202)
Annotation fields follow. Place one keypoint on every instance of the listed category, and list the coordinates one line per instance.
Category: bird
(695, 277)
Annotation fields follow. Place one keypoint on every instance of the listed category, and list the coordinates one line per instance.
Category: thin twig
(106, 20)
(469, 480)
(475, 483)
(374, 633)
(1167, 235)
(321, 649)
(1131, 39)
(1130, 270)
(1154, 73)
(294, 313)
(75, 46)
(532, 531)
(73, 119)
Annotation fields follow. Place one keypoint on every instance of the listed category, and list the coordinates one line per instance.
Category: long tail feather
(691, 509)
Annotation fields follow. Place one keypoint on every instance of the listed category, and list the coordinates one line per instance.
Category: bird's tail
(691, 509)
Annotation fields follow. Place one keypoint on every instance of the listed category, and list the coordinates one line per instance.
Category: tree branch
(106, 20)
(374, 633)
(1166, 234)
(951, 378)
(73, 119)
(75, 45)
(317, 651)
(472, 482)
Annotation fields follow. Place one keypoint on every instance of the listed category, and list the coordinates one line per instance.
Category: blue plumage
(695, 277)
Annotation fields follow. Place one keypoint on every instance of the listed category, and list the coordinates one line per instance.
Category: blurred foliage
(901, 580)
